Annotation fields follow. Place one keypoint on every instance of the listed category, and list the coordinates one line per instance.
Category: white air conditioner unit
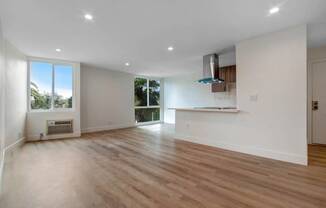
(59, 127)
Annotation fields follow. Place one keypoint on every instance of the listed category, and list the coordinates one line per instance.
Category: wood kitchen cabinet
(228, 74)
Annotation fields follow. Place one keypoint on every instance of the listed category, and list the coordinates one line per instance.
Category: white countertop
(235, 110)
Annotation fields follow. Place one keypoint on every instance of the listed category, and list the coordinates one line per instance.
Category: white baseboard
(286, 157)
(2, 164)
(107, 128)
(5, 154)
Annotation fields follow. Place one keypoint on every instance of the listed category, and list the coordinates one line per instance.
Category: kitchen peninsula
(270, 119)
(209, 109)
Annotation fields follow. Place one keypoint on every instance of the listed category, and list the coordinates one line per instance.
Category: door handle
(315, 105)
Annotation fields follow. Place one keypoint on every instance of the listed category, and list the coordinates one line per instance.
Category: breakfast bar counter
(209, 109)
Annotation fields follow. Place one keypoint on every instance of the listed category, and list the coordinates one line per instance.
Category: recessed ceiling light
(274, 10)
(88, 17)
(170, 48)
(127, 64)
(58, 50)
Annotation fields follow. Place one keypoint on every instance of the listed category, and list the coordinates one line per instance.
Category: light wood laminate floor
(145, 167)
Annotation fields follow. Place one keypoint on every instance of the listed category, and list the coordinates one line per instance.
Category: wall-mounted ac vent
(59, 127)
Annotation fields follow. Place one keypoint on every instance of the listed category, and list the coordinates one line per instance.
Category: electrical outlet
(253, 97)
(41, 135)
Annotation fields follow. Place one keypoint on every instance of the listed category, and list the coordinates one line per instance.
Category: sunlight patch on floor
(152, 127)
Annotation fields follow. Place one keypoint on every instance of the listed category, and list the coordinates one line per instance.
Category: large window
(51, 86)
(147, 100)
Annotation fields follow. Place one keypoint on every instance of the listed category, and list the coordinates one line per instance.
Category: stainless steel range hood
(210, 70)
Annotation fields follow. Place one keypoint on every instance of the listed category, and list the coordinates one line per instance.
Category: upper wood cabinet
(228, 73)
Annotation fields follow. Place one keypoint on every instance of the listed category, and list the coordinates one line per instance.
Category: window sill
(53, 111)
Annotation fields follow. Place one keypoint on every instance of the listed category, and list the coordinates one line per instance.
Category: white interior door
(319, 103)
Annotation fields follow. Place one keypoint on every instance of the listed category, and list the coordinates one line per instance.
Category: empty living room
(162, 104)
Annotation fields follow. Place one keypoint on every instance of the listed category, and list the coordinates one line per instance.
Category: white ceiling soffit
(140, 32)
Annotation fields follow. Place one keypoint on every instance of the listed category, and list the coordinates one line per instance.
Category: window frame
(53, 63)
(148, 106)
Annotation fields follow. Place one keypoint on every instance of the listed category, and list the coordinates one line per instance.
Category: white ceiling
(139, 31)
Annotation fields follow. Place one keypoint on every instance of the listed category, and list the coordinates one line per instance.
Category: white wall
(37, 121)
(185, 91)
(107, 99)
(272, 67)
(13, 87)
(16, 97)
(13, 71)
(227, 58)
(2, 98)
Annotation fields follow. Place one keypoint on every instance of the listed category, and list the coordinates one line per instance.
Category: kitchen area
(219, 77)
(238, 100)
(216, 105)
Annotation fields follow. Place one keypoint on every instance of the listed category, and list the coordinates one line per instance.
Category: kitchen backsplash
(228, 98)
